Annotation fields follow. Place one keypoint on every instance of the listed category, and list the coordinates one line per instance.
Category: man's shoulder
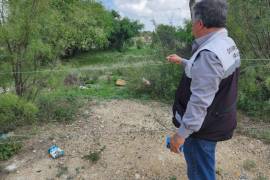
(207, 55)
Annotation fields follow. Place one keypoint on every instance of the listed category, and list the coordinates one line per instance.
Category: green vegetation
(173, 178)
(248, 24)
(163, 81)
(254, 92)
(123, 30)
(61, 171)
(263, 134)
(60, 106)
(94, 156)
(169, 39)
(110, 57)
(8, 148)
(55, 55)
(14, 112)
(34, 34)
(261, 176)
(248, 165)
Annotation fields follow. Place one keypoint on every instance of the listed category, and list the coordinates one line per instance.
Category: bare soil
(133, 134)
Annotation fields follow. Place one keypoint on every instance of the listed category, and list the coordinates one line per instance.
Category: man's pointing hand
(174, 59)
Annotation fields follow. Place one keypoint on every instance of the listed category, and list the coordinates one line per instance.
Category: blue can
(168, 144)
(55, 152)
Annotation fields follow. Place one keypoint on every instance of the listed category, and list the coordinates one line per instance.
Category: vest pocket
(230, 109)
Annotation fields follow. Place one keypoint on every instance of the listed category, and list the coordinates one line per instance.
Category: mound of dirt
(125, 140)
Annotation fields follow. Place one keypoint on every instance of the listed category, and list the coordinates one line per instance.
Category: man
(205, 103)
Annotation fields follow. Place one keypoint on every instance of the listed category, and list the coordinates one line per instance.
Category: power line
(107, 67)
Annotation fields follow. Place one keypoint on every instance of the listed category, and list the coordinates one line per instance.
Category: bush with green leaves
(59, 106)
(14, 112)
(163, 81)
(254, 92)
(140, 43)
(174, 40)
(8, 148)
(34, 34)
(123, 30)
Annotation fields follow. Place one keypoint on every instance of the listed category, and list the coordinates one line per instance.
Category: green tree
(166, 35)
(23, 38)
(34, 33)
(123, 30)
(171, 39)
(85, 26)
(249, 25)
(185, 38)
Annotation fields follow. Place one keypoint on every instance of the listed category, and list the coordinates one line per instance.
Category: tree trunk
(191, 3)
(17, 74)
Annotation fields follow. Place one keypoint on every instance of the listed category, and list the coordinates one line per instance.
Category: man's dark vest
(220, 120)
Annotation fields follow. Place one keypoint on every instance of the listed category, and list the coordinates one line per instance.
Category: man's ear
(201, 23)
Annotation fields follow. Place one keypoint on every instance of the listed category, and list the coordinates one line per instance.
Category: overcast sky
(172, 12)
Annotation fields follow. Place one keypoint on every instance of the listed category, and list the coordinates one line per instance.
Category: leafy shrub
(163, 81)
(71, 80)
(59, 106)
(8, 148)
(261, 176)
(249, 164)
(94, 156)
(254, 94)
(15, 112)
(139, 43)
(90, 77)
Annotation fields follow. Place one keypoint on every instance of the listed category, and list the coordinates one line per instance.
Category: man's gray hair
(213, 13)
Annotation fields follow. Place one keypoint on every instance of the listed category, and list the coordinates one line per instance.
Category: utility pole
(191, 3)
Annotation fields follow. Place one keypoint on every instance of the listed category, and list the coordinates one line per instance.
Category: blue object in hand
(168, 144)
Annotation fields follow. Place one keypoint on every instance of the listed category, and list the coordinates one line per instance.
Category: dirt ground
(133, 134)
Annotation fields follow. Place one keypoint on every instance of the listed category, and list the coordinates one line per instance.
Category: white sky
(172, 12)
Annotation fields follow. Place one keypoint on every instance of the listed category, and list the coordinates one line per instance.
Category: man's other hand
(174, 59)
(176, 142)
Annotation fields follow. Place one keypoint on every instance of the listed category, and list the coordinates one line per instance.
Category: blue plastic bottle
(168, 144)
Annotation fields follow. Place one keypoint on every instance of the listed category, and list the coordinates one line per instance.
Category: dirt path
(133, 133)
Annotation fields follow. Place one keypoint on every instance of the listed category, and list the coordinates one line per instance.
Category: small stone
(146, 82)
(34, 151)
(121, 82)
(137, 176)
(11, 168)
(83, 87)
(237, 173)
(243, 177)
